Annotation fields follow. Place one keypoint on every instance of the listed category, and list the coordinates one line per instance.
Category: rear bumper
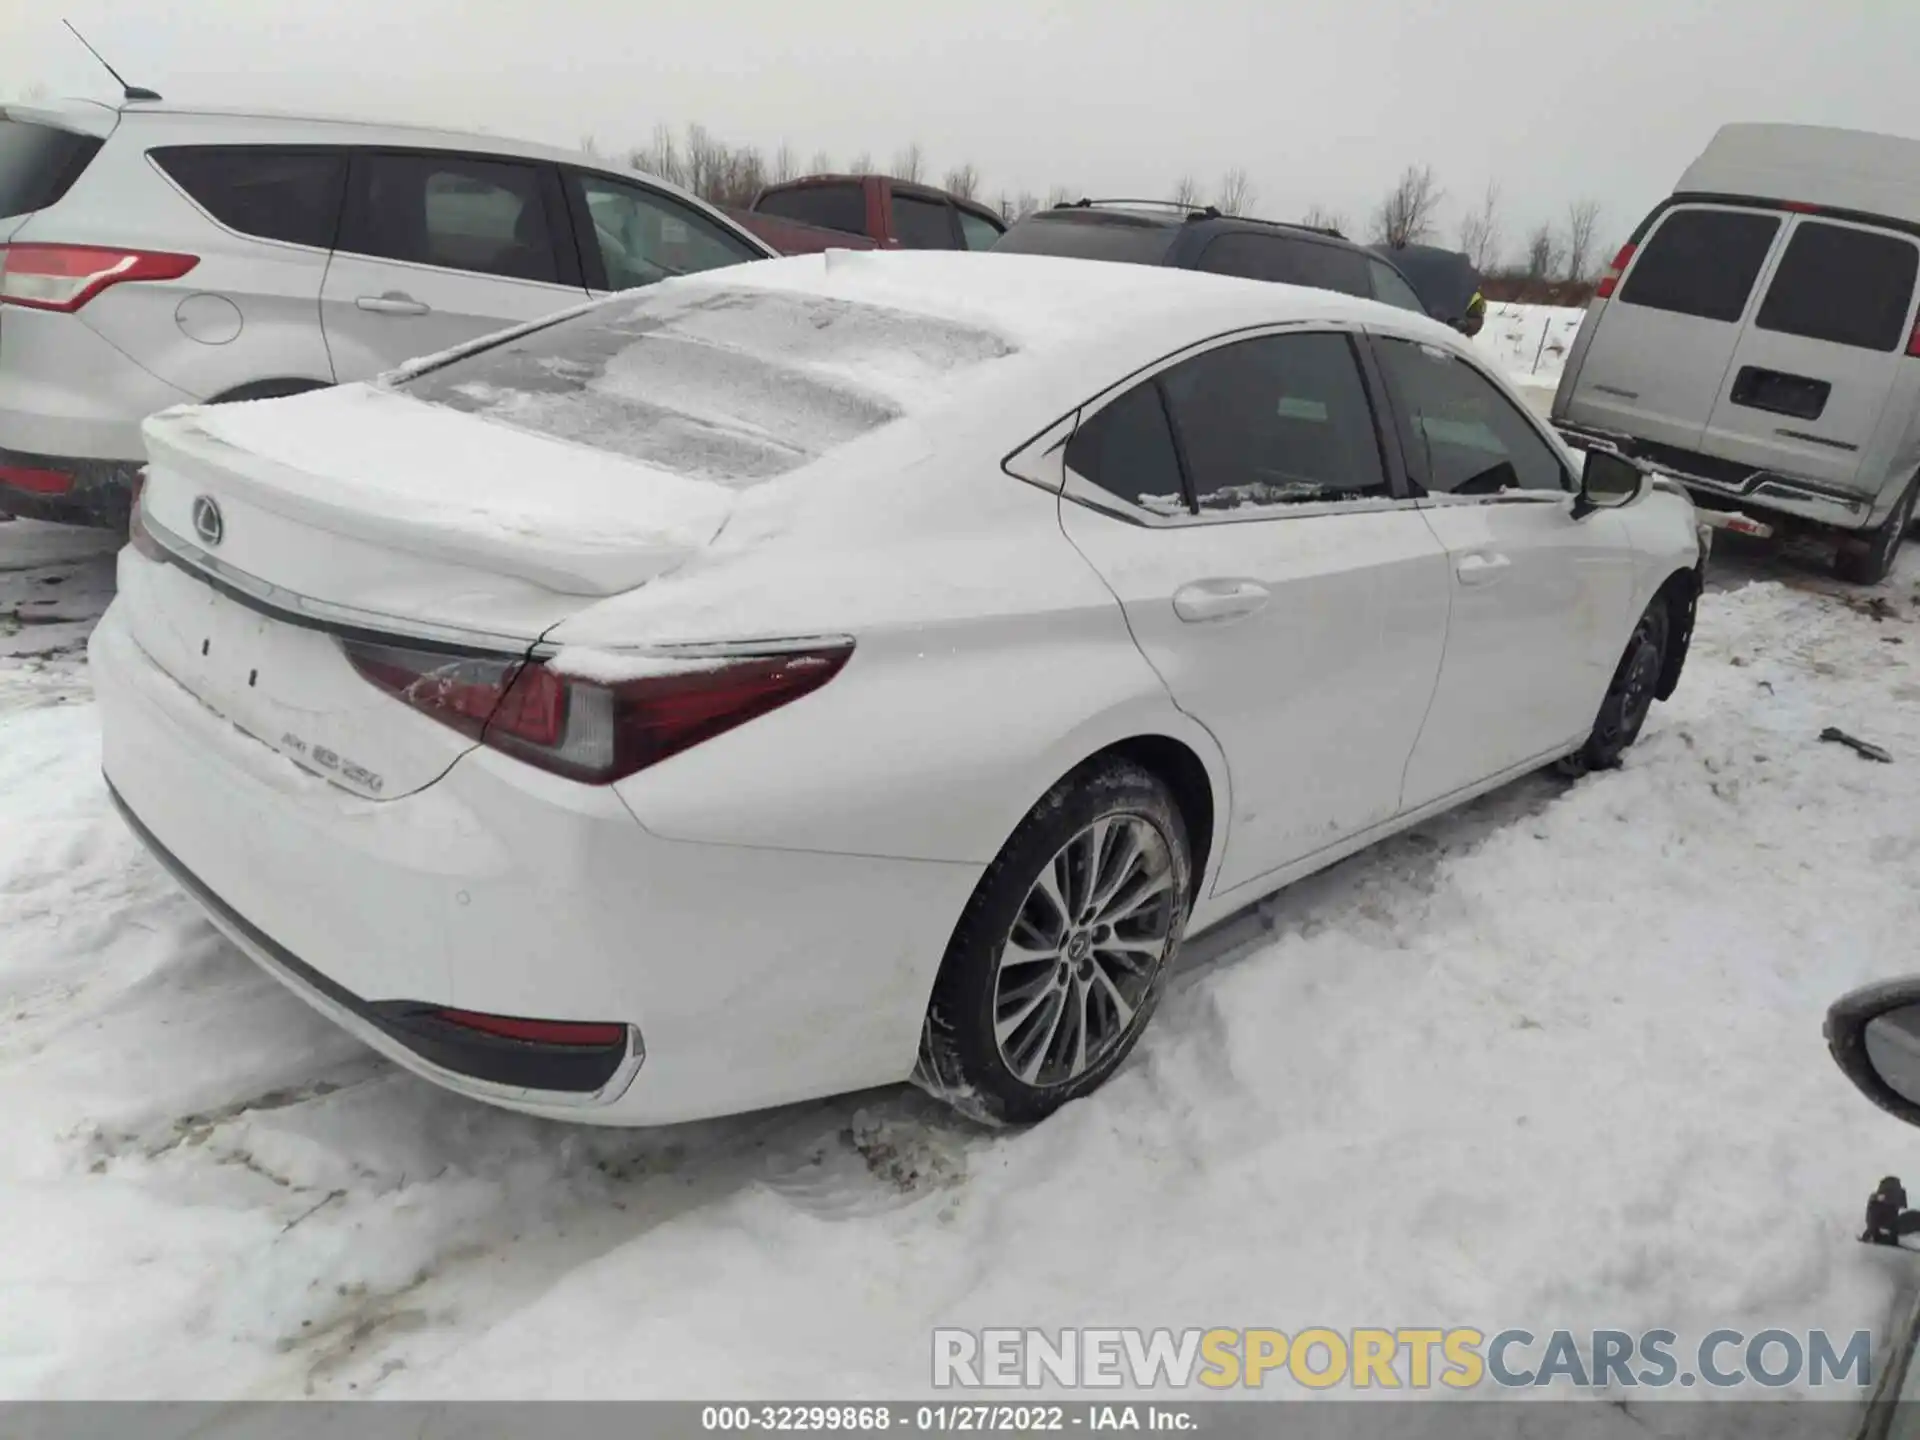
(1760, 489)
(68, 489)
(757, 976)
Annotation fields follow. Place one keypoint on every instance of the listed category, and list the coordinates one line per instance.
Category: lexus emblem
(207, 523)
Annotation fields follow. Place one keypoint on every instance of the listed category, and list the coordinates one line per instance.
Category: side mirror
(1873, 1035)
(1608, 480)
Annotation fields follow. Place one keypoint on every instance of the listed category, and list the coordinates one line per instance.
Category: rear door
(1813, 370)
(1660, 348)
(438, 248)
(1244, 510)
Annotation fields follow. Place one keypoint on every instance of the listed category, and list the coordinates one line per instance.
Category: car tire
(1629, 696)
(1868, 559)
(1065, 944)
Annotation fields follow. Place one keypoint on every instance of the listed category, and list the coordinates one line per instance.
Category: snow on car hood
(381, 467)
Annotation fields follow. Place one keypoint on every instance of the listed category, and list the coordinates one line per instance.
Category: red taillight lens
(1913, 340)
(65, 277)
(1609, 281)
(138, 535)
(541, 1032)
(36, 482)
(599, 730)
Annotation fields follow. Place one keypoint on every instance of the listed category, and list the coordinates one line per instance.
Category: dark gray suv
(1147, 232)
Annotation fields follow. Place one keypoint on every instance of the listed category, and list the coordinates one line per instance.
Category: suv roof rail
(1206, 212)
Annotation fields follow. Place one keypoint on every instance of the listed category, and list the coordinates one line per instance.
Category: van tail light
(1611, 279)
(596, 731)
(1913, 339)
(66, 277)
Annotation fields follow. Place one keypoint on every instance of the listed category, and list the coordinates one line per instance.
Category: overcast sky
(1322, 101)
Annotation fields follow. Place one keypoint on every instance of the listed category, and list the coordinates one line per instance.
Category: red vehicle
(867, 212)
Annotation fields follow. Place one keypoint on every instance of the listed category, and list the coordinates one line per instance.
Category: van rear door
(1814, 368)
(1659, 349)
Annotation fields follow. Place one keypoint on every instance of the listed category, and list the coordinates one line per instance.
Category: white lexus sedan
(852, 668)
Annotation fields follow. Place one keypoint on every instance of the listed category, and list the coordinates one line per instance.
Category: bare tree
(1236, 192)
(1320, 217)
(1019, 207)
(1543, 253)
(1583, 220)
(1407, 215)
(962, 180)
(910, 163)
(589, 146)
(1480, 230)
(786, 165)
(1059, 195)
(1186, 191)
(820, 163)
(862, 164)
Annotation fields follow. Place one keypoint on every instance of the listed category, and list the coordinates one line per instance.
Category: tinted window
(1848, 286)
(977, 231)
(640, 236)
(1090, 236)
(922, 224)
(1290, 262)
(837, 207)
(1390, 289)
(482, 215)
(716, 381)
(1461, 435)
(1701, 262)
(1275, 421)
(276, 194)
(38, 164)
(1127, 450)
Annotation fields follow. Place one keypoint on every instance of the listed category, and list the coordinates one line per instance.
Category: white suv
(153, 255)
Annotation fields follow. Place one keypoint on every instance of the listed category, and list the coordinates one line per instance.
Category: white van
(1756, 336)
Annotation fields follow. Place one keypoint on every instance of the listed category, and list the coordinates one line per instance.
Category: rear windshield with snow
(734, 386)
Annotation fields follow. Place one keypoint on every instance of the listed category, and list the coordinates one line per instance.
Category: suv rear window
(834, 207)
(1850, 287)
(291, 195)
(1288, 261)
(1702, 262)
(1089, 236)
(38, 164)
(729, 385)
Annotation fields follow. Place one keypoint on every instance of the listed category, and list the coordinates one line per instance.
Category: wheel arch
(1680, 593)
(1196, 791)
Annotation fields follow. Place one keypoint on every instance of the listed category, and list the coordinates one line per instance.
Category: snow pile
(1551, 1061)
(1529, 343)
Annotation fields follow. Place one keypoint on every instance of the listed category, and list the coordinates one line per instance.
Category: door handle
(393, 303)
(1206, 600)
(1480, 569)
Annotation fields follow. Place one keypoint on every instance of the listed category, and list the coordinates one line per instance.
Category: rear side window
(1127, 450)
(486, 216)
(291, 195)
(1281, 420)
(1289, 262)
(1461, 435)
(835, 207)
(711, 381)
(921, 224)
(1850, 287)
(38, 164)
(977, 231)
(1090, 237)
(1702, 262)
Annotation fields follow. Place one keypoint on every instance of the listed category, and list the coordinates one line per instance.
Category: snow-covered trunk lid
(300, 564)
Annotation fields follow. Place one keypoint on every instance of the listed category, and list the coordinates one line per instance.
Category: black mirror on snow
(1874, 1037)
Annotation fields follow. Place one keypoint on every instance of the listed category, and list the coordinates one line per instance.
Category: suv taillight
(65, 277)
(1604, 290)
(595, 731)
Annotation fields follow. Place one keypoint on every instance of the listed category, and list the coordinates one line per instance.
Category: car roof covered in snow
(1821, 165)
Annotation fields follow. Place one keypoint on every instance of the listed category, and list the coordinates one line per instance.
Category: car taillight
(539, 1032)
(138, 535)
(65, 277)
(36, 481)
(1611, 279)
(1913, 340)
(594, 731)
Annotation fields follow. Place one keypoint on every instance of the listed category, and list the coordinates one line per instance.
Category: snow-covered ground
(1529, 344)
(1552, 1061)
